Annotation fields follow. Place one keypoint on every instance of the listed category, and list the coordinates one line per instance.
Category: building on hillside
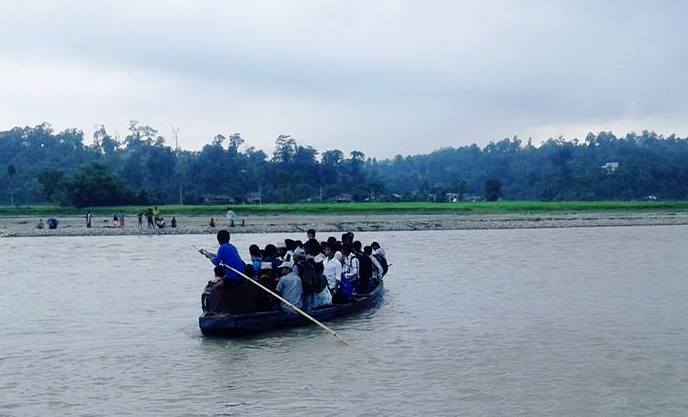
(610, 167)
(254, 198)
(217, 199)
(343, 198)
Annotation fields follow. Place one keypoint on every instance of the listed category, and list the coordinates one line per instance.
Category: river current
(542, 322)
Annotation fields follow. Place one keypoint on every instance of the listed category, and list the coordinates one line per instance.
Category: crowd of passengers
(308, 274)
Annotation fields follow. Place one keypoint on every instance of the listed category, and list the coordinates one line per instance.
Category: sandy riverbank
(23, 226)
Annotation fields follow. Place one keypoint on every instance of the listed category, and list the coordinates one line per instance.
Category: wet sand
(24, 226)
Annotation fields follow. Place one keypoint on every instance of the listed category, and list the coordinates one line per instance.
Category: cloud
(384, 77)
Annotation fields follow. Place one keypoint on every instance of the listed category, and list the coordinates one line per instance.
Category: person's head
(219, 271)
(254, 250)
(289, 244)
(312, 247)
(328, 250)
(270, 250)
(222, 236)
(310, 234)
(368, 250)
(357, 246)
(347, 248)
(281, 251)
(285, 268)
(375, 245)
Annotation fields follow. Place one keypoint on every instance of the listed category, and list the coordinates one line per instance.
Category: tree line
(40, 165)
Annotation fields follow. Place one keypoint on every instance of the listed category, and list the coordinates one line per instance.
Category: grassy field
(365, 208)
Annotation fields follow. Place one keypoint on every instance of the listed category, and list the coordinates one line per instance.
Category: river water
(547, 322)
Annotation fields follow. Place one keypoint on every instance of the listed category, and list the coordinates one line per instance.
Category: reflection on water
(525, 322)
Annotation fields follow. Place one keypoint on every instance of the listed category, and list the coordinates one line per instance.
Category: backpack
(365, 267)
(311, 274)
(383, 263)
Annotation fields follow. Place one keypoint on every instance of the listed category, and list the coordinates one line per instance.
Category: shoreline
(23, 226)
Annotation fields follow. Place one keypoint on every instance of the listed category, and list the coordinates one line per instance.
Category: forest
(39, 165)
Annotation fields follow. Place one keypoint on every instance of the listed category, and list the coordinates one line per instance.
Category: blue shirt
(228, 255)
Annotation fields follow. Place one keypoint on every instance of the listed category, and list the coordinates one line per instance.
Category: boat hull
(228, 324)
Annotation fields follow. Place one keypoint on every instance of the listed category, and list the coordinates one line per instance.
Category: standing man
(140, 218)
(89, 219)
(227, 254)
(310, 234)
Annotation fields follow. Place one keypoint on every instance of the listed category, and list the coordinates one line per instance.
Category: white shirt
(351, 267)
(377, 270)
(332, 271)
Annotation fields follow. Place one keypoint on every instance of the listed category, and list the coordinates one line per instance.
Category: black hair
(375, 245)
(271, 250)
(357, 245)
(223, 236)
(254, 250)
(347, 247)
(310, 232)
(289, 244)
(368, 250)
(312, 247)
(219, 271)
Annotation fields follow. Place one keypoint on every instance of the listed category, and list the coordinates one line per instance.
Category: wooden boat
(229, 324)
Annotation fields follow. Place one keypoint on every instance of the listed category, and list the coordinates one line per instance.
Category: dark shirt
(228, 255)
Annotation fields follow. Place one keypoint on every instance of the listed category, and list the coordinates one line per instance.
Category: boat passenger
(336, 247)
(289, 245)
(256, 259)
(378, 271)
(332, 269)
(289, 286)
(228, 255)
(377, 250)
(351, 263)
(313, 250)
(219, 272)
(379, 254)
(365, 268)
(310, 234)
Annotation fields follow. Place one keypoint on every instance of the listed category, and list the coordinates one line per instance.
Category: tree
(53, 183)
(493, 189)
(95, 185)
(11, 173)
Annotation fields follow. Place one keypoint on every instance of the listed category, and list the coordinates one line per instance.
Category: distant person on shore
(149, 218)
(52, 223)
(89, 220)
(227, 254)
(231, 216)
(120, 216)
(212, 222)
(40, 224)
(139, 215)
(173, 223)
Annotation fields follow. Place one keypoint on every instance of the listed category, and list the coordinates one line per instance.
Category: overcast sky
(383, 77)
